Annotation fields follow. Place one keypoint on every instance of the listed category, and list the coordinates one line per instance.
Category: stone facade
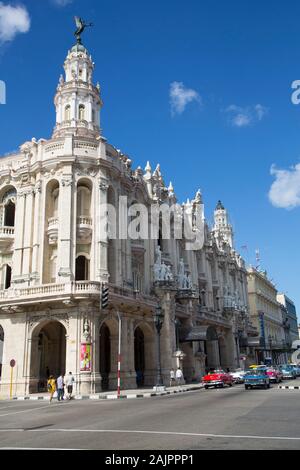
(54, 260)
(267, 315)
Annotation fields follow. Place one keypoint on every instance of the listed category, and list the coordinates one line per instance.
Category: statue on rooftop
(81, 25)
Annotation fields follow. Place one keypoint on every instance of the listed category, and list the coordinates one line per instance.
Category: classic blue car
(288, 371)
(257, 378)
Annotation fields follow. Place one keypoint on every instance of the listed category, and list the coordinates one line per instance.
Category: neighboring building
(291, 320)
(266, 314)
(53, 261)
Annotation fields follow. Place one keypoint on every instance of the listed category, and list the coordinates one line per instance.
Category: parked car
(257, 378)
(217, 378)
(288, 371)
(296, 367)
(238, 376)
(275, 375)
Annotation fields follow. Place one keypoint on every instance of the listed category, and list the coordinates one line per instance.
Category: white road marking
(164, 433)
(31, 409)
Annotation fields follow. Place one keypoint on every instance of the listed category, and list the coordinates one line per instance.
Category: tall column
(19, 234)
(37, 234)
(102, 263)
(28, 232)
(65, 228)
(168, 335)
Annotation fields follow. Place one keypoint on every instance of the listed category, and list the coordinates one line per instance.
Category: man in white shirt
(60, 388)
(172, 377)
(69, 383)
(179, 376)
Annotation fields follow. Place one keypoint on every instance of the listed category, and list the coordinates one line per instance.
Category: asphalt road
(230, 418)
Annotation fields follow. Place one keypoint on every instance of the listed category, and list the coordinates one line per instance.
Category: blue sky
(231, 65)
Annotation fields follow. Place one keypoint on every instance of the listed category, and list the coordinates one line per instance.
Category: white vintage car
(238, 376)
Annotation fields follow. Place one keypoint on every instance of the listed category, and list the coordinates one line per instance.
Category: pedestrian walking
(69, 383)
(51, 385)
(172, 377)
(60, 388)
(179, 376)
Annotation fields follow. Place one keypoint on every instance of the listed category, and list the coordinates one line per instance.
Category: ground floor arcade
(85, 342)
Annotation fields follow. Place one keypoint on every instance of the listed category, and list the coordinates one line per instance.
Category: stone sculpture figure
(81, 25)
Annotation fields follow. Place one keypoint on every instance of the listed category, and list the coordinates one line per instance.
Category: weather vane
(81, 25)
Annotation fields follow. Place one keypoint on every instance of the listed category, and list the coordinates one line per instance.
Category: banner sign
(85, 357)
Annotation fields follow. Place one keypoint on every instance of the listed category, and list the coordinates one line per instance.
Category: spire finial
(81, 25)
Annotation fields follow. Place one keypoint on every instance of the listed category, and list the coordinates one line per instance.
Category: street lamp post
(158, 321)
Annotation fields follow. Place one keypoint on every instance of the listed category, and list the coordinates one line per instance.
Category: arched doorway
(105, 356)
(48, 354)
(145, 359)
(82, 269)
(139, 356)
(1, 348)
(212, 349)
(223, 352)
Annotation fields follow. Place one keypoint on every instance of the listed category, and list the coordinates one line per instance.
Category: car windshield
(255, 372)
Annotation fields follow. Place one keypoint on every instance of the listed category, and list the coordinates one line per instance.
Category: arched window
(9, 207)
(67, 113)
(82, 268)
(83, 201)
(7, 283)
(81, 112)
(9, 214)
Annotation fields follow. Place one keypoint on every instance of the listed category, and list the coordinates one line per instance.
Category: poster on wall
(85, 357)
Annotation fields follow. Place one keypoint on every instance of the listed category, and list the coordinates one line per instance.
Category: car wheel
(269, 385)
(265, 386)
(246, 387)
(230, 384)
(221, 385)
(206, 387)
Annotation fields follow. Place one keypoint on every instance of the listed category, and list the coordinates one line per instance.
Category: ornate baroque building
(53, 261)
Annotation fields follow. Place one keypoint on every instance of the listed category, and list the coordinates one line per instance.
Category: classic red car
(275, 375)
(217, 378)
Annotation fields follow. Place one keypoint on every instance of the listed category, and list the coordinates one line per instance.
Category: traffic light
(104, 296)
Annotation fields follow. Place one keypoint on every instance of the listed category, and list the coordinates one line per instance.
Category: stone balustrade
(7, 231)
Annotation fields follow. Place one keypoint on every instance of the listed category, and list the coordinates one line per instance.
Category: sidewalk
(125, 394)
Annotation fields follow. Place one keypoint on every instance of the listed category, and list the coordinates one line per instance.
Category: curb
(114, 397)
(289, 387)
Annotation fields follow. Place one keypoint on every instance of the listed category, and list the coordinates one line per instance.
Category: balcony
(65, 293)
(7, 235)
(15, 300)
(84, 228)
(52, 230)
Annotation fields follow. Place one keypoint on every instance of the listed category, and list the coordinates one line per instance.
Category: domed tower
(222, 227)
(77, 100)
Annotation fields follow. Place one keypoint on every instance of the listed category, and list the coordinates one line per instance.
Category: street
(229, 418)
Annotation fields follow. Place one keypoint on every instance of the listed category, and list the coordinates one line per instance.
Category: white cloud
(13, 20)
(285, 191)
(62, 3)
(180, 97)
(243, 117)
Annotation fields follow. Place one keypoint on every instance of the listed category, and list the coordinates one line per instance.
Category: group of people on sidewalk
(58, 385)
(176, 378)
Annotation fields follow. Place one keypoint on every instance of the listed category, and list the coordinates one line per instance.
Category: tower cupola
(77, 101)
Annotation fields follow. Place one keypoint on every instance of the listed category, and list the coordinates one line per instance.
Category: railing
(52, 222)
(7, 230)
(73, 288)
(84, 220)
